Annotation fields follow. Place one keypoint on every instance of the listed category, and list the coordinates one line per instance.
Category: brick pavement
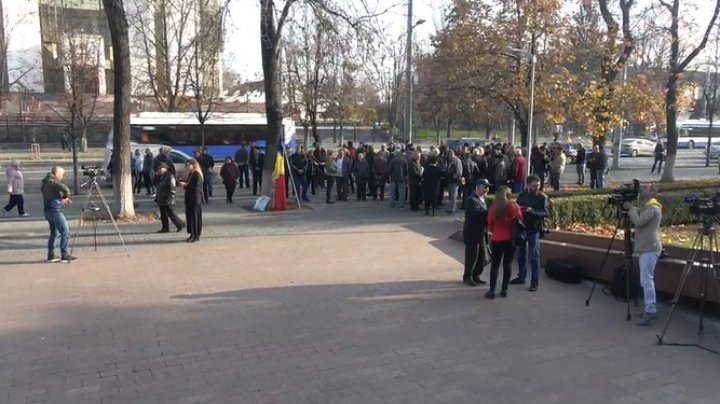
(353, 311)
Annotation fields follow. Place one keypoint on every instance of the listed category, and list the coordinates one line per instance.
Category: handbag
(519, 233)
(261, 203)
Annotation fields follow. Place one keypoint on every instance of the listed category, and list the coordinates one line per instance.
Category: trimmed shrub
(594, 209)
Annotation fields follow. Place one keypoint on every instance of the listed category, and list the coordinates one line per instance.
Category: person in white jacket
(15, 187)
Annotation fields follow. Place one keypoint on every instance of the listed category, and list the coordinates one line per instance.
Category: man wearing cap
(165, 198)
(475, 233)
(534, 206)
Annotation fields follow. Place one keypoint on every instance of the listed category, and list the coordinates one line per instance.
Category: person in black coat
(165, 198)
(257, 160)
(475, 233)
(431, 178)
(415, 172)
(193, 200)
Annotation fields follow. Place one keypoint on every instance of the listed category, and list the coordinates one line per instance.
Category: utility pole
(618, 138)
(409, 76)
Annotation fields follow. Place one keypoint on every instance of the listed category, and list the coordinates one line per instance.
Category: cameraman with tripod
(648, 246)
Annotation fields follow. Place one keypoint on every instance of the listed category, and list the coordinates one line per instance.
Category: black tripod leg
(629, 267)
(686, 271)
(601, 271)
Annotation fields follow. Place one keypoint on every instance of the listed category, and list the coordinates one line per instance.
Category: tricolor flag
(279, 178)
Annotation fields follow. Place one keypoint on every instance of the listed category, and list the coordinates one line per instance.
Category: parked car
(570, 152)
(637, 147)
(178, 158)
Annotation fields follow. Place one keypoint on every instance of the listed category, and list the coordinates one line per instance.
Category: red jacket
(519, 169)
(502, 229)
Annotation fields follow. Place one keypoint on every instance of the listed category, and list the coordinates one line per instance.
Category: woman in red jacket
(500, 222)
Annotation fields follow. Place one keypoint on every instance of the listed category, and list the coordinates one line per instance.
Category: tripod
(90, 206)
(706, 237)
(625, 224)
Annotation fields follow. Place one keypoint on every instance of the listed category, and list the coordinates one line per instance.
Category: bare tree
(710, 94)
(164, 41)
(204, 72)
(677, 66)
(11, 75)
(122, 182)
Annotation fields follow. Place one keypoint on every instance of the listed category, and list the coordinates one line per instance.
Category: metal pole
(409, 76)
(532, 106)
(512, 132)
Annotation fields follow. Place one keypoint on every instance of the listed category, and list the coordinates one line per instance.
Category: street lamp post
(409, 74)
(533, 59)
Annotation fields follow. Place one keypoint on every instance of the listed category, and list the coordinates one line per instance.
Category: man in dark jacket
(534, 206)
(299, 164)
(207, 164)
(379, 172)
(56, 195)
(361, 172)
(165, 198)
(659, 157)
(242, 156)
(580, 164)
(414, 182)
(397, 171)
(475, 233)
(257, 160)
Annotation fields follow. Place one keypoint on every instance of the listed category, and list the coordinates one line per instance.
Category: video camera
(626, 193)
(703, 206)
(91, 171)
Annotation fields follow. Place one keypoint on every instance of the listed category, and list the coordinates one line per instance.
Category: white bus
(693, 134)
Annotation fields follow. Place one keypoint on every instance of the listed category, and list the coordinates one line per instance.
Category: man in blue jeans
(534, 206)
(56, 195)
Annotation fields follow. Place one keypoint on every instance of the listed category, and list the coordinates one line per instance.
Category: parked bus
(224, 132)
(693, 134)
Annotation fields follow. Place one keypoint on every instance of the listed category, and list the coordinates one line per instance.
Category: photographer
(534, 206)
(646, 220)
(56, 195)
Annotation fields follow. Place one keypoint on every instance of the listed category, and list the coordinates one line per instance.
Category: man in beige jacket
(648, 246)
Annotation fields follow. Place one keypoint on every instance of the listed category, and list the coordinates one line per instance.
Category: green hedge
(662, 187)
(594, 209)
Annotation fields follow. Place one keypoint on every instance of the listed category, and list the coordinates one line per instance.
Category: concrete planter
(587, 251)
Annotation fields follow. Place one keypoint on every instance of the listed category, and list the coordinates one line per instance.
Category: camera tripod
(625, 224)
(91, 206)
(706, 237)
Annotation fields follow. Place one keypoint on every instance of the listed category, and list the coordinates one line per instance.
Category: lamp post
(532, 58)
(409, 73)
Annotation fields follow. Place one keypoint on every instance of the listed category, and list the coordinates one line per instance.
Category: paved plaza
(349, 303)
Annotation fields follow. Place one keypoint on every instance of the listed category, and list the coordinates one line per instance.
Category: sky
(243, 43)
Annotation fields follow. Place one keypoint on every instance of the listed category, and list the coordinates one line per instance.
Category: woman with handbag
(501, 218)
(193, 200)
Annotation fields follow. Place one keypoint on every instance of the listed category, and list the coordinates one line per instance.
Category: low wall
(588, 252)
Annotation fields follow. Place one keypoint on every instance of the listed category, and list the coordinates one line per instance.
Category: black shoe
(490, 295)
(533, 288)
(163, 231)
(180, 228)
(469, 282)
(189, 239)
(479, 281)
(67, 258)
(52, 258)
(503, 293)
(330, 203)
(517, 281)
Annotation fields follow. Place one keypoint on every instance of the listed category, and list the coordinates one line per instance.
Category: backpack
(563, 271)
(618, 286)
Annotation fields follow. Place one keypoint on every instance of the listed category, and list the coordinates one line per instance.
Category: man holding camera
(534, 206)
(648, 246)
(56, 195)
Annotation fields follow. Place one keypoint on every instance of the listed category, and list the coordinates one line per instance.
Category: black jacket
(539, 203)
(415, 174)
(165, 190)
(299, 162)
(475, 227)
(431, 178)
(194, 190)
(257, 162)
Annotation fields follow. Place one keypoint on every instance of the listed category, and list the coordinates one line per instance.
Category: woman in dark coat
(431, 178)
(193, 200)
(229, 174)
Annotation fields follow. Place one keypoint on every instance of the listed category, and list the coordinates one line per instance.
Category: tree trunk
(122, 181)
(84, 141)
(671, 122)
(273, 102)
(76, 176)
(306, 135)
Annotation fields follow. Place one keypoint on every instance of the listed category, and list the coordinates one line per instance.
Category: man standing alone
(56, 195)
(241, 159)
(580, 164)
